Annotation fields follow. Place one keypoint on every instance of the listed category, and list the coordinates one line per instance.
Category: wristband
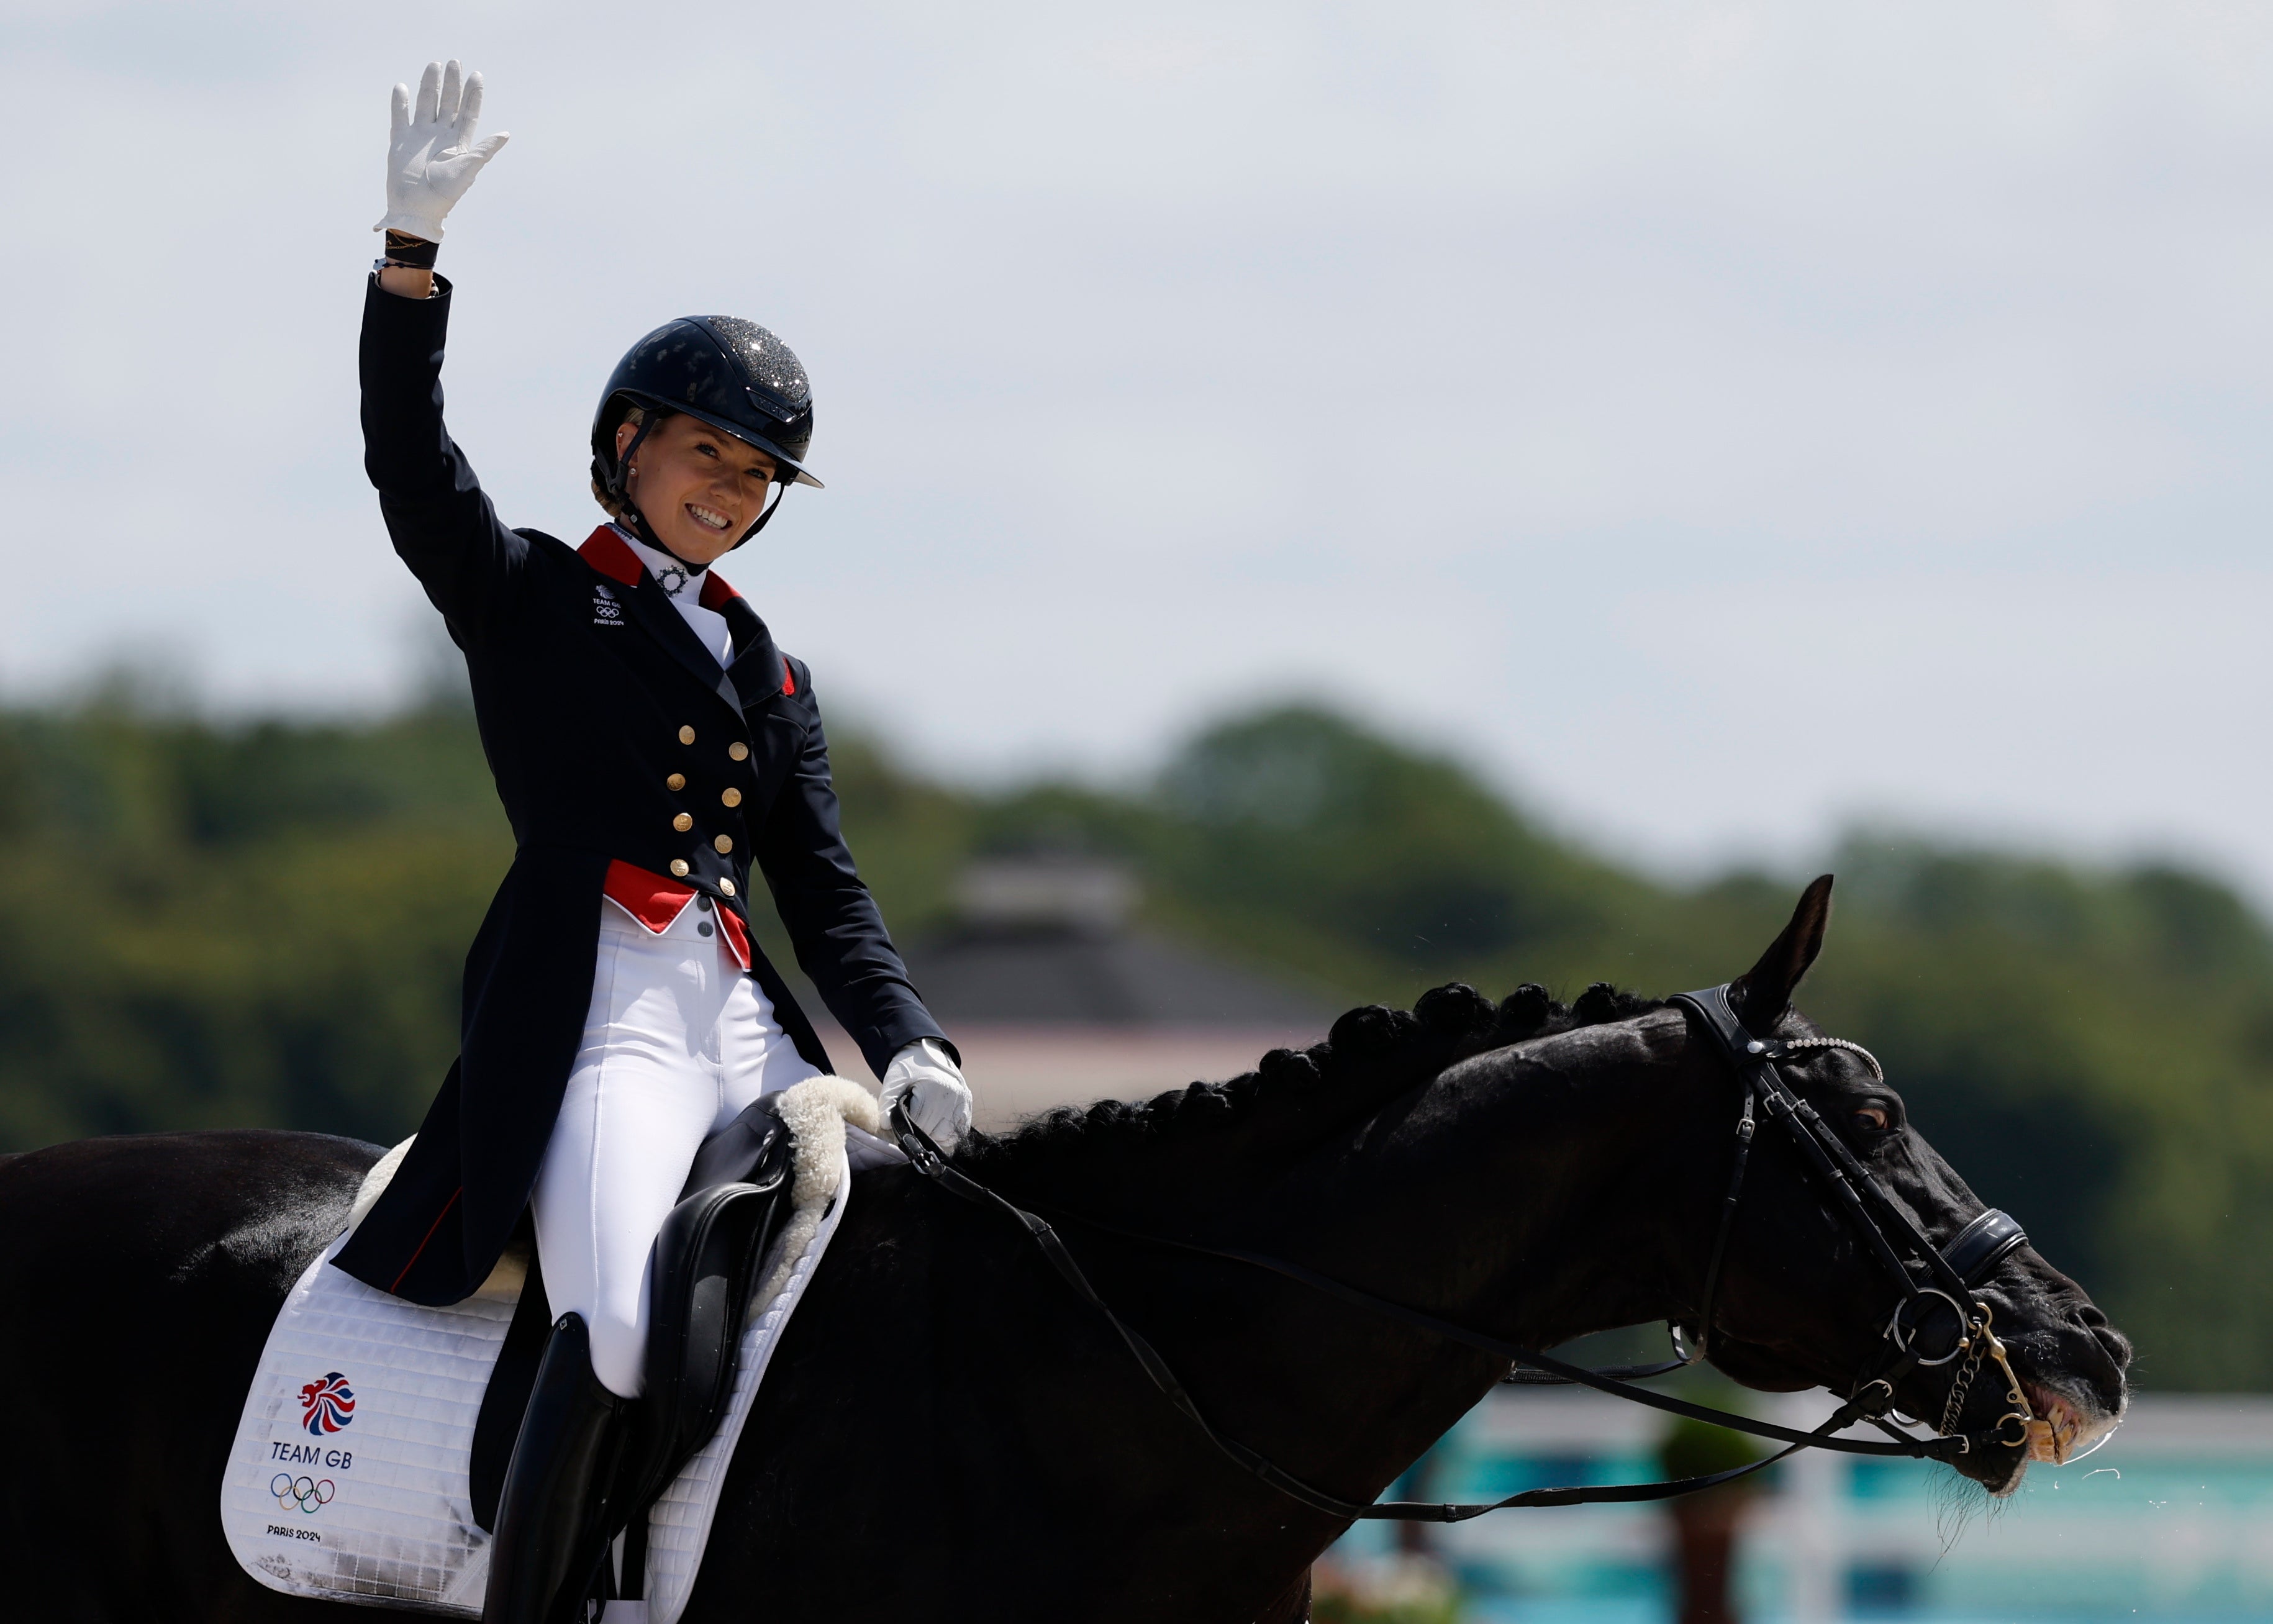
(413, 254)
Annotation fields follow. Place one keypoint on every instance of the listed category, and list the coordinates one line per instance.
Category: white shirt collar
(668, 573)
(685, 590)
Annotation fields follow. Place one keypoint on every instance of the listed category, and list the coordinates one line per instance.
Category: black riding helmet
(730, 373)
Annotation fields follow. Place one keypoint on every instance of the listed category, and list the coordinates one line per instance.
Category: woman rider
(650, 744)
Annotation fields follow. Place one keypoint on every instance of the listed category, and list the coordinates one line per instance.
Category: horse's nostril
(2117, 1345)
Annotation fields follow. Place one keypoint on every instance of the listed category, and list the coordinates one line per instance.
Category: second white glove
(431, 156)
(933, 1085)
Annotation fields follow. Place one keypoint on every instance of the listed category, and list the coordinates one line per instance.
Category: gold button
(739, 750)
(732, 797)
(678, 867)
(727, 886)
(724, 843)
(683, 822)
(677, 781)
(687, 736)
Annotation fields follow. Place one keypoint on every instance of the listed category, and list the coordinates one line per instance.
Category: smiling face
(698, 486)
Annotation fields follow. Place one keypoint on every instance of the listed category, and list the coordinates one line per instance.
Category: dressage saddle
(704, 1267)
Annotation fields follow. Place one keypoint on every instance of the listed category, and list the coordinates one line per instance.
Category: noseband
(1939, 1318)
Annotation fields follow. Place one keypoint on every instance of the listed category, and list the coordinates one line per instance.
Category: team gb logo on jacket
(326, 1405)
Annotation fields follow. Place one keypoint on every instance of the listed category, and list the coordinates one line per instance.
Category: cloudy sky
(1719, 422)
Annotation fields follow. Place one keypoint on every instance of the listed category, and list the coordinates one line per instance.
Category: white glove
(937, 1096)
(431, 158)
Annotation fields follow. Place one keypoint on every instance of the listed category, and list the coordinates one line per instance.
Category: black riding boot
(552, 1528)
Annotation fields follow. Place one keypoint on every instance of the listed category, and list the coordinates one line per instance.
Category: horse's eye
(1870, 1118)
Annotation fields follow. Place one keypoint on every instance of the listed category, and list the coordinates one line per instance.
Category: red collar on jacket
(605, 551)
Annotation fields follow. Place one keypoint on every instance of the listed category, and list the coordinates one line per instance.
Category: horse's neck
(1507, 1196)
(1526, 1192)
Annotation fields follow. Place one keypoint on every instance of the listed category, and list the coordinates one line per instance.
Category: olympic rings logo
(306, 1493)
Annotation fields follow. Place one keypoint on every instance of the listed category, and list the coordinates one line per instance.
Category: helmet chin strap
(781, 490)
(619, 482)
(637, 522)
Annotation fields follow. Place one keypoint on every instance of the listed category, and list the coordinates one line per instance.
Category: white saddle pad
(348, 1479)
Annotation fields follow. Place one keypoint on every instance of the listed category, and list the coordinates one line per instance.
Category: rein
(1969, 1258)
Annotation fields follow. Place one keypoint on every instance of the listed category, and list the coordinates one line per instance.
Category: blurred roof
(1046, 941)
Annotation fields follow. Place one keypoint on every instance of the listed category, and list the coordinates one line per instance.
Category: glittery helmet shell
(733, 374)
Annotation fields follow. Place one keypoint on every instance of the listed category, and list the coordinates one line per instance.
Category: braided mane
(1372, 1055)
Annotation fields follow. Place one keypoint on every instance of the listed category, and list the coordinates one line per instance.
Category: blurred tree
(203, 926)
(1298, 817)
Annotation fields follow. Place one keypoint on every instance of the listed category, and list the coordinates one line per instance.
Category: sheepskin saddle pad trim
(350, 1477)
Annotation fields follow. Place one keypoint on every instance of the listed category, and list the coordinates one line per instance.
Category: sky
(1723, 425)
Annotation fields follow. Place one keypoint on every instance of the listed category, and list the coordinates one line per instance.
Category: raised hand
(431, 156)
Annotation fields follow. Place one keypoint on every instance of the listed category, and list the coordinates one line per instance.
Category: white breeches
(678, 1041)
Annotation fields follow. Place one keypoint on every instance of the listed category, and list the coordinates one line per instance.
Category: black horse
(948, 1433)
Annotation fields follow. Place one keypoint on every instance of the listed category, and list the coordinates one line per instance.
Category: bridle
(1894, 1241)
(1939, 1318)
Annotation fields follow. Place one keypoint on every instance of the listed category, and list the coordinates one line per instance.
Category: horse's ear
(1763, 993)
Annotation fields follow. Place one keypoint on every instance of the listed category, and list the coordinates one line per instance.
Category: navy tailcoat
(594, 697)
